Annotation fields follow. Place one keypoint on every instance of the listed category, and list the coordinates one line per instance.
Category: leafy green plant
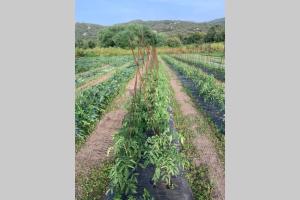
(211, 90)
(84, 64)
(204, 63)
(127, 149)
(145, 139)
(91, 103)
(93, 186)
(161, 152)
(199, 181)
(197, 176)
(146, 195)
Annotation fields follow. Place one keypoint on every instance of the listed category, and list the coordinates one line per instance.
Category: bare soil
(95, 81)
(202, 142)
(100, 79)
(94, 151)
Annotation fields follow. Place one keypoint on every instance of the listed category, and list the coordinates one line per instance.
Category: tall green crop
(207, 86)
(91, 103)
(145, 139)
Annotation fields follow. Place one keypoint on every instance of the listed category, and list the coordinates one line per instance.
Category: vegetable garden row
(151, 160)
(206, 88)
(91, 103)
(145, 149)
(212, 68)
(84, 64)
(147, 160)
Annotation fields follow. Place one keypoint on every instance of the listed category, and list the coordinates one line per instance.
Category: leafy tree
(181, 36)
(220, 36)
(215, 34)
(173, 42)
(161, 39)
(79, 43)
(194, 38)
(210, 35)
(106, 36)
(129, 36)
(91, 44)
(85, 44)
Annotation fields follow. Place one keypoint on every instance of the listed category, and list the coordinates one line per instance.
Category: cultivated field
(150, 125)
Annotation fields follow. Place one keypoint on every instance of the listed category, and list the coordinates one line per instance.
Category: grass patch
(94, 186)
(199, 182)
(209, 128)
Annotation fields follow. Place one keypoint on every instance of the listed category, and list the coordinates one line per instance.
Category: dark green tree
(173, 42)
(161, 39)
(106, 36)
(194, 38)
(91, 44)
(215, 34)
(220, 35)
(79, 43)
(210, 35)
(129, 36)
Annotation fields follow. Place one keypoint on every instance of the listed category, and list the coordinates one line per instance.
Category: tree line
(117, 36)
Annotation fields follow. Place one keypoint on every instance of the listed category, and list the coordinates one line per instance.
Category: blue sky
(108, 12)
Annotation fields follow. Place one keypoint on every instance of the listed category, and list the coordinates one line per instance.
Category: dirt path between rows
(95, 148)
(100, 79)
(95, 81)
(94, 152)
(202, 142)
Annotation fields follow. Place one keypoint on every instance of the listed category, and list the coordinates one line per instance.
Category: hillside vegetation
(176, 31)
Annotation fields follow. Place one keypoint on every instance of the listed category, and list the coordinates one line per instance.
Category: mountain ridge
(89, 31)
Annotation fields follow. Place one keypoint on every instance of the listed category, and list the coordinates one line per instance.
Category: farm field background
(165, 119)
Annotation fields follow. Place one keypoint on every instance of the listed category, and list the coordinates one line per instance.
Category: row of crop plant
(84, 64)
(91, 103)
(146, 141)
(93, 74)
(206, 89)
(203, 62)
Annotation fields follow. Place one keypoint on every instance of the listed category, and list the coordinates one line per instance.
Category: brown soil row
(99, 79)
(95, 81)
(202, 142)
(94, 151)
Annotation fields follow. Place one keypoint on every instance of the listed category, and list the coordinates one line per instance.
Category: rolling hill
(89, 31)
